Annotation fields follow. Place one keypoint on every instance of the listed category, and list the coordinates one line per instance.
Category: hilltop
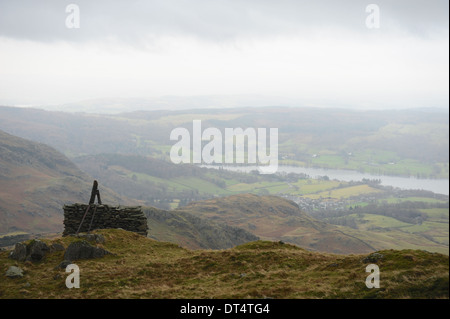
(140, 267)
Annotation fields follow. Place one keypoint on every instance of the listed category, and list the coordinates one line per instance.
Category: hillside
(36, 181)
(143, 268)
(275, 218)
(190, 231)
(153, 181)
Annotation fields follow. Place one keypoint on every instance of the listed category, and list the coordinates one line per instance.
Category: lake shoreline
(438, 186)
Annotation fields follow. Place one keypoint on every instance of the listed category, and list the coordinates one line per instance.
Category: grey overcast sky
(311, 53)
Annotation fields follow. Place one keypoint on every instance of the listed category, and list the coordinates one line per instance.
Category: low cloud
(219, 20)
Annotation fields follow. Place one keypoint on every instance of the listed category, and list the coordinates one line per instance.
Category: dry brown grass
(144, 268)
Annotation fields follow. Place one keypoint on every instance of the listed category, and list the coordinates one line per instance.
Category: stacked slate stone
(125, 217)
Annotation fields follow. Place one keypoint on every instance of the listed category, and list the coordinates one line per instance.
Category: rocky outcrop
(33, 251)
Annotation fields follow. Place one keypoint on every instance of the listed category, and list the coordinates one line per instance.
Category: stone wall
(127, 218)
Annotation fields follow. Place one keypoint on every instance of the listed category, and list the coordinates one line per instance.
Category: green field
(345, 192)
(392, 200)
(437, 214)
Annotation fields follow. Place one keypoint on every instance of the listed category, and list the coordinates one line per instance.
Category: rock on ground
(34, 251)
(373, 258)
(19, 253)
(83, 250)
(14, 272)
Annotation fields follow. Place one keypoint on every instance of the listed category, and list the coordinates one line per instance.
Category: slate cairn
(125, 217)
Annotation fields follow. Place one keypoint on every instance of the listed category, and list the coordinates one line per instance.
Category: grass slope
(145, 268)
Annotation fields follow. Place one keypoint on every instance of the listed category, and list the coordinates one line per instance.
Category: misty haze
(224, 150)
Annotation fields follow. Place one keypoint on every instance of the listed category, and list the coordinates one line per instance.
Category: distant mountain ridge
(415, 135)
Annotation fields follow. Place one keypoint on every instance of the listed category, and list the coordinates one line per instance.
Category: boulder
(14, 272)
(83, 250)
(19, 253)
(36, 250)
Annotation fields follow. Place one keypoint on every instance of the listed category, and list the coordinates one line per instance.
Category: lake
(439, 186)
